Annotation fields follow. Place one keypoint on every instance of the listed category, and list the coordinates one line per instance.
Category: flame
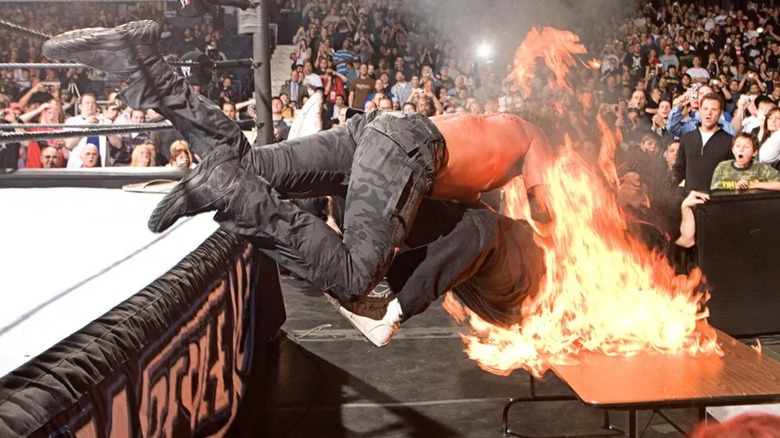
(556, 47)
(593, 64)
(603, 291)
(609, 141)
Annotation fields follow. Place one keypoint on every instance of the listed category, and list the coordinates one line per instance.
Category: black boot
(208, 187)
(120, 51)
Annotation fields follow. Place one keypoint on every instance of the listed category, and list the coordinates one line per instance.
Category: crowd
(662, 71)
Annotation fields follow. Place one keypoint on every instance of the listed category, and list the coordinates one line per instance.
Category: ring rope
(11, 137)
(23, 30)
(41, 65)
(137, 126)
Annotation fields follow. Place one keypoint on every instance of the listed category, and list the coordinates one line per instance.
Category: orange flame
(603, 291)
(609, 141)
(593, 64)
(556, 47)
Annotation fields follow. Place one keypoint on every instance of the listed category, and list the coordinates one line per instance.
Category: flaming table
(743, 376)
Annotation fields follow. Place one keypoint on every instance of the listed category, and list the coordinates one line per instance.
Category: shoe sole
(65, 45)
(366, 333)
(161, 218)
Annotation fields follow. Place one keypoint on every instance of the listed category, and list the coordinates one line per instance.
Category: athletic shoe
(120, 51)
(208, 187)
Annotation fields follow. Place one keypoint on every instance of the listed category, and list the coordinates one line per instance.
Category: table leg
(633, 431)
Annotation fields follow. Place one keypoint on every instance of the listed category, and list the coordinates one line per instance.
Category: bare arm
(765, 185)
(39, 87)
(436, 103)
(688, 224)
(26, 117)
(537, 157)
(739, 113)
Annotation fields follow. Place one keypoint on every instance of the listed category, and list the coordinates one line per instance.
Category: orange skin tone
(485, 151)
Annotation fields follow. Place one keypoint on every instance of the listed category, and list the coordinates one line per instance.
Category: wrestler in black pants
(385, 164)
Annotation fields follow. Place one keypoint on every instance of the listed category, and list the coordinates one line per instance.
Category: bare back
(485, 151)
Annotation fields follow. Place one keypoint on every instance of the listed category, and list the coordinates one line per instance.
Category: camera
(212, 53)
(51, 84)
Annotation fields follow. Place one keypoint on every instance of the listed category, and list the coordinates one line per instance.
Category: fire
(593, 64)
(604, 291)
(556, 47)
(609, 141)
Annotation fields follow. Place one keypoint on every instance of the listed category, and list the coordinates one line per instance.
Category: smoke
(502, 24)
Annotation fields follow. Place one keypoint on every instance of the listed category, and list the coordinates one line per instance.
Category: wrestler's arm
(537, 158)
(688, 225)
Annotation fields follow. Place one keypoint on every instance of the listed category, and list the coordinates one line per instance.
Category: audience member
(701, 150)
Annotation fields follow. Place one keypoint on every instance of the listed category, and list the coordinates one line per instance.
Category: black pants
(384, 163)
(391, 171)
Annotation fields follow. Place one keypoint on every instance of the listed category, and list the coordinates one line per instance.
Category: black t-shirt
(673, 83)
(635, 64)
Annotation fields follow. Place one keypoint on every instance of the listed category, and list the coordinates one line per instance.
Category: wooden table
(655, 381)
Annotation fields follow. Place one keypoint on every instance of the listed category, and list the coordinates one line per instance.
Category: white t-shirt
(706, 136)
(698, 73)
(74, 162)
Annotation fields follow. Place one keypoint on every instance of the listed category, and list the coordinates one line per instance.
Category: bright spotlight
(484, 51)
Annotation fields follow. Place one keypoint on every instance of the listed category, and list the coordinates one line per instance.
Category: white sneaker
(379, 332)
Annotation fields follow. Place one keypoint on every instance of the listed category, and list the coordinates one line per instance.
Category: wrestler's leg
(391, 173)
(310, 166)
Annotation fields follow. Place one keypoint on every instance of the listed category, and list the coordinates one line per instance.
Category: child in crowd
(741, 173)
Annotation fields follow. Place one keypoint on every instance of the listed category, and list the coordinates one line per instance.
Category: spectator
(88, 154)
(293, 88)
(50, 158)
(758, 109)
(697, 73)
(311, 80)
(402, 89)
(287, 112)
(122, 156)
(341, 104)
(691, 101)
(743, 172)
(360, 88)
(343, 57)
(144, 155)
(701, 150)
(670, 155)
(88, 115)
(229, 109)
(181, 155)
(769, 139)
(669, 59)
(281, 129)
